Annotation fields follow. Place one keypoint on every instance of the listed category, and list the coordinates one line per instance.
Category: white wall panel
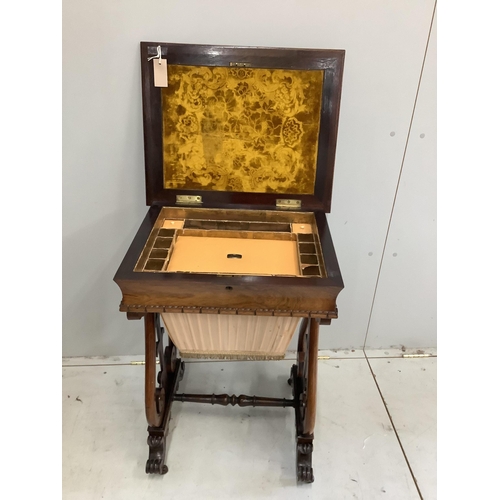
(404, 310)
(103, 179)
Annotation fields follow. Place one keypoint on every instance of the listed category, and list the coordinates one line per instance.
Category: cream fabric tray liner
(230, 336)
(259, 256)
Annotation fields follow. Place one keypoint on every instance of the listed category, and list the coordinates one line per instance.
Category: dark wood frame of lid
(331, 61)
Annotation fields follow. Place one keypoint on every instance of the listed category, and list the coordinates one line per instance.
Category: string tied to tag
(157, 56)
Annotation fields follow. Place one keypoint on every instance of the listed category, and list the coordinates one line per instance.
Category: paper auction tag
(160, 72)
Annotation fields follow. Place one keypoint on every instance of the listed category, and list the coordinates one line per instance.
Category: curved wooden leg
(159, 398)
(154, 397)
(304, 376)
(312, 374)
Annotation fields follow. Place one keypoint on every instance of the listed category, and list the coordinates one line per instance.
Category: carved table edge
(137, 308)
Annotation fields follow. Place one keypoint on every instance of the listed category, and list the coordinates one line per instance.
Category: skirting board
(289, 356)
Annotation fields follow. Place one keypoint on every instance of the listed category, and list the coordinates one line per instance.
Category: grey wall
(383, 198)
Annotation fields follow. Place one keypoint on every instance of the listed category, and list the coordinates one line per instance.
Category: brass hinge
(187, 199)
(288, 204)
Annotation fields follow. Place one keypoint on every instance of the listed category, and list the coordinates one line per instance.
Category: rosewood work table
(235, 253)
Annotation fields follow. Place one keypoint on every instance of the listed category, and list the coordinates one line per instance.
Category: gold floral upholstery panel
(241, 129)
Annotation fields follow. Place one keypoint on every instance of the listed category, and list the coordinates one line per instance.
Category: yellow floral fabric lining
(241, 129)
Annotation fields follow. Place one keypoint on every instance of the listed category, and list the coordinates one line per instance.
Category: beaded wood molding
(135, 308)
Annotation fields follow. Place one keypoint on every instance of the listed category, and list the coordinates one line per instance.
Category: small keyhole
(229, 287)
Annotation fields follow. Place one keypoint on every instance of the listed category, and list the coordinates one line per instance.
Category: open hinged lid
(242, 127)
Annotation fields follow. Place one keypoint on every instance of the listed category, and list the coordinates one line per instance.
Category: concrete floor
(375, 433)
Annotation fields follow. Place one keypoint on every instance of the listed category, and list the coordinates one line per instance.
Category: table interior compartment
(236, 242)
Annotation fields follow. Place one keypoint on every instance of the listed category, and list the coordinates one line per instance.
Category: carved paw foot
(155, 463)
(304, 460)
(305, 474)
(154, 466)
